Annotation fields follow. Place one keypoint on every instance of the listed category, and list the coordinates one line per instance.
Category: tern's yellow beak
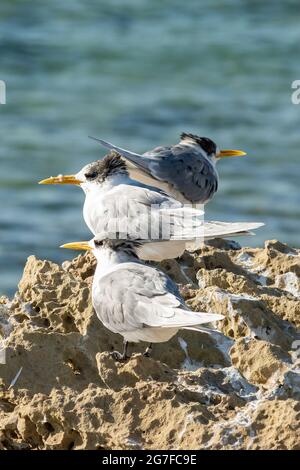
(230, 153)
(61, 179)
(77, 246)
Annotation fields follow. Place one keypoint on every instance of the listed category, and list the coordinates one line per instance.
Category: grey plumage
(189, 172)
(139, 210)
(116, 203)
(165, 227)
(183, 170)
(140, 302)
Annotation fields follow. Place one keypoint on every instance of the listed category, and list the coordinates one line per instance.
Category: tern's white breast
(93, 210)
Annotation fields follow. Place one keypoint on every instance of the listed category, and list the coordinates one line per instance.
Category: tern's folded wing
(117, 295)
(136, 296)
(145, 214)
(186, 170)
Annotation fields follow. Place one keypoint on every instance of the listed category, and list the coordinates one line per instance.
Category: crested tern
(115, 203)
(186, 171)
(139, 302)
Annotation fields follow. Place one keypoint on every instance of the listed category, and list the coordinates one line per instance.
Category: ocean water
(138, 73)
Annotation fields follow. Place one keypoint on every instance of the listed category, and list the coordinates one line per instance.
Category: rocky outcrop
(237, 389)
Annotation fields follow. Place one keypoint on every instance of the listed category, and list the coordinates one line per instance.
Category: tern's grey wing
(136, 296)
(131, 209)
(126, 206)
(184, 168)
(138, 212)
(122, 297)
(140, 194)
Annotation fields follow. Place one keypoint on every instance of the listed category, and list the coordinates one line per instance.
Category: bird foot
(117, 356)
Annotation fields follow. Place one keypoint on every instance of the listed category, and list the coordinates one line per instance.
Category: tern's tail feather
(135, 158)
(186, 319)
(115, 147)
(216, 334)
(224, 229)
(166, 315)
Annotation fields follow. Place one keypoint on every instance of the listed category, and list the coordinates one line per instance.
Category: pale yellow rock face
(60, 388)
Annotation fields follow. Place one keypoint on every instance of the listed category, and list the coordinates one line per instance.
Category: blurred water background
(137, 73)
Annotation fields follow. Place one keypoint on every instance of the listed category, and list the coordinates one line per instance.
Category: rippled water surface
(138, 73)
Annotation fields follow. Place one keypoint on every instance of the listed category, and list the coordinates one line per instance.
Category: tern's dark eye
(91, 175)
(98, 242)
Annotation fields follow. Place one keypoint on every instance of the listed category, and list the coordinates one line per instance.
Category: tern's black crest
(207, 144)
(111, 164)
(117, 244)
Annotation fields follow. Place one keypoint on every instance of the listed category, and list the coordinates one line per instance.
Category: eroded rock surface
(239, 388)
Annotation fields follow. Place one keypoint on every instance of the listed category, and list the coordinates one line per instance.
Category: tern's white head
(208, 147)
(105, 248)
(93, 174)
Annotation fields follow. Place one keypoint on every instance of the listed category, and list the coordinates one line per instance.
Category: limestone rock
(236, 388)
(259, 361)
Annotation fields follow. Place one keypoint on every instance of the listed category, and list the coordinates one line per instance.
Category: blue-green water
(139, 72)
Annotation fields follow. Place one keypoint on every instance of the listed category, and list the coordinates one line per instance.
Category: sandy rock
(262, 424)
(259, 361)
(237, 388)
(117, 376)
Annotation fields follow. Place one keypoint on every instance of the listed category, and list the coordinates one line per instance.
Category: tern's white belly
(160, 250)
(150, 335)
